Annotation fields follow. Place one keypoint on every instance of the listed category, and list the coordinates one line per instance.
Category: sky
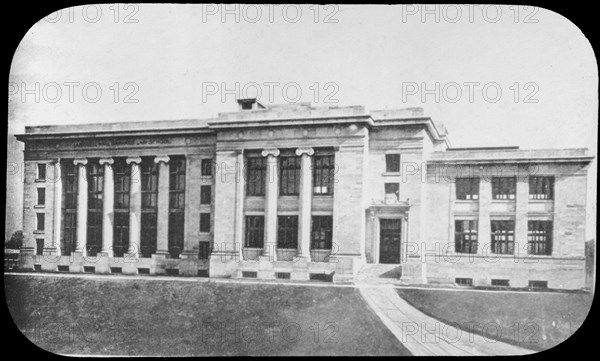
(494, 75)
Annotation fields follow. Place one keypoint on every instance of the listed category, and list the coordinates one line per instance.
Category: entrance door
(389, 241)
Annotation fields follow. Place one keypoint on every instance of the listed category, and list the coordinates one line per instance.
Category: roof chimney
(249, 104)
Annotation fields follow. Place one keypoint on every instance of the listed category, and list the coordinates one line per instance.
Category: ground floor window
(287, 232)
(465, 236)
(539, 238)
(255, 231)
(503, 237)
(321, 233)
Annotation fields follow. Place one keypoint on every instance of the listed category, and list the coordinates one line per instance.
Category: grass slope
(160, 317)
(537, 321)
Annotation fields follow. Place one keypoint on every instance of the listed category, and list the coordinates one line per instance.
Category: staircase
(379, 273)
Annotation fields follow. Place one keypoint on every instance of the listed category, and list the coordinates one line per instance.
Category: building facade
(298, 192)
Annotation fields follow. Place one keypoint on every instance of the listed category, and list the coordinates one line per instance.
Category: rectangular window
(541, 188)
(39, 246)
(206, 167)
(538, 284)
(95, 178)
(70, 183)
(149, 171)
(467, 188)
(256, 174)
(503, 237)
(255, 231)
(321, 232)
(41, 218)
(121, 208)
(289, 175)
(465, 236)
(176, 204)
(539, 237)
(500, 283)
(205, 194)
(392, 190)
(287, 232)
(41, 172)
(41, 196)
(323, 172)
(463, 281)
(205, 222)
(392, 163)
(504, 187)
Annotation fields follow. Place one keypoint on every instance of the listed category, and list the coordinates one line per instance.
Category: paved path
(426, 336)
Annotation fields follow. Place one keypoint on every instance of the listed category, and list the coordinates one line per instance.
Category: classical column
(271, 195)
(108, 209)
(162, 226)
(305, 201)
(82, 205)
(57, 207)
(135, 205)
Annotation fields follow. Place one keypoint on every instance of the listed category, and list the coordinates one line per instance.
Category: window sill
(541, 201)
(390, 174)
(39, 206)
(467, 201)
(40, 181)
(37, 231)
(503, 200)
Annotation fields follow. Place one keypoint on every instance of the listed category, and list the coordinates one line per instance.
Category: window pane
(392, 162)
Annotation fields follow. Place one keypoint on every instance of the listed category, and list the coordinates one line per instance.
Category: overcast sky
(171, 62)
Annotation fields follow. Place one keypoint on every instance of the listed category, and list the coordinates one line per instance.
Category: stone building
(299, 192)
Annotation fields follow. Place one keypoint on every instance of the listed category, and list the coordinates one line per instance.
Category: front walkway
(424, 335)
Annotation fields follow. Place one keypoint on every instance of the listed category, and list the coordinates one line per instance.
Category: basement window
(323, 277)
(116, 270)
(144, 271)
(283, 275)
(63, 268)
(463, 281)
(202, 273)
(89, 269)
(538, 284)
(172, 272)
(249, 274)
(500, 283)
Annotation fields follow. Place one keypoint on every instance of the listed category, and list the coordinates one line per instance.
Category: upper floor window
(465, 236)
(41, 196)
(205, 222)
(256, 174)
(323, 172)
(392, 190)
(504, 187)
(541, 187)
(467, 188)
(205, 194)
(503, 237)
(539, 237)
(41, 172)
(41, 219)
(206, 167)
(289, 175)
(392, 163)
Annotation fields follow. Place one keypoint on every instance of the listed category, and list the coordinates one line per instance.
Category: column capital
(106, 161)
(82, 161)
(271, 151)
(308, 151)
(136, 160)
(161, 158)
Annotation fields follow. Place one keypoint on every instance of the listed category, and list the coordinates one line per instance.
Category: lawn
(122, 316)
(533, 320)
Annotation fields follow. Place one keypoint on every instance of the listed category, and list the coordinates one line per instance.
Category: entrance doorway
(389, 241)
